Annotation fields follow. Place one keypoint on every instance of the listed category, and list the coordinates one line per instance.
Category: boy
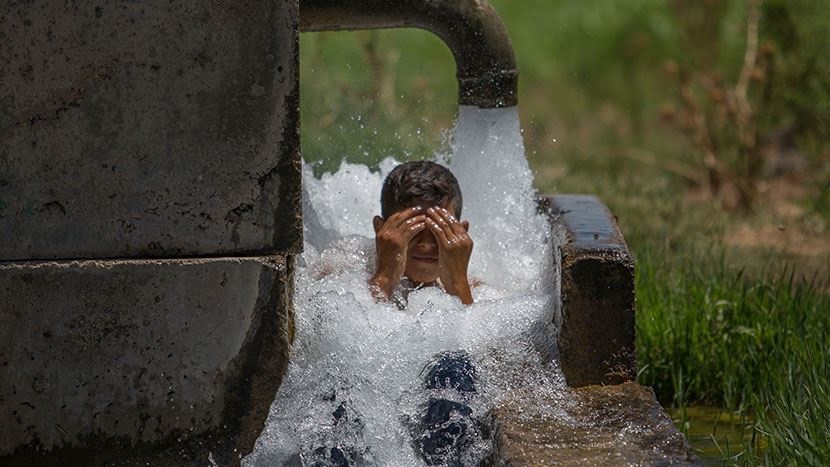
(419, 240)
(419, 243)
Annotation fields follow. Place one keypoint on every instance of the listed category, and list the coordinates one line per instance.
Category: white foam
(489, 162)
(371, 355)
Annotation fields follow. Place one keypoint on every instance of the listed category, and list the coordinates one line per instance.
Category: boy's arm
(392, 241)
(454, 250)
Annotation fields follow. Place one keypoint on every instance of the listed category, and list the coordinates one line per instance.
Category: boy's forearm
(381, 287)
(461, 290)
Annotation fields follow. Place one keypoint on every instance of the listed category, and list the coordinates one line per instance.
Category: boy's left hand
(454, 249)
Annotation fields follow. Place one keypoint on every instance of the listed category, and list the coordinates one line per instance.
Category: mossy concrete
(603, 417)
(150, 210)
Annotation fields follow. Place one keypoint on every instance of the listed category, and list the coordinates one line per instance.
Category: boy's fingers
(437, 231)
(450, 218)
(444, 225)
(456, 226)
(409, 223)
(402, 216)
(400, 225)
(413, 230)
(414, 220)
(459, 231)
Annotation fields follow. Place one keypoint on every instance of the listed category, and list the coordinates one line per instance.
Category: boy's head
(422, 183)
(427, 184)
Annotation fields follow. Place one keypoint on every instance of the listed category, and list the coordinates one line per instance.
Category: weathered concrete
(148, 129)
(589, 424)
(133, 361)
(592, 425)
(596, 337)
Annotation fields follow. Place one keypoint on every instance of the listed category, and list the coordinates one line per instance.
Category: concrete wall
(149, 214)
(621, 424)
(149, 128)
(106, 360)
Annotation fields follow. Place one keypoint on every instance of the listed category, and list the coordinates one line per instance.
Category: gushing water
(356, 377)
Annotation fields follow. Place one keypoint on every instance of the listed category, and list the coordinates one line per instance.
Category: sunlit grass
(708, 335)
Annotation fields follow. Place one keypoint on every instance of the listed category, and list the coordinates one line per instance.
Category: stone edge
(256, 374)
(597, 329)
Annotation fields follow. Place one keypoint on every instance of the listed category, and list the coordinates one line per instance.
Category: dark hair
(419, 182)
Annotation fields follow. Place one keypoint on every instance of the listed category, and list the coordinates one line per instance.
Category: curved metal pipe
(474, 32)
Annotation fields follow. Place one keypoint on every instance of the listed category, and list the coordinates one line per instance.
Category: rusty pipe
(474, 32)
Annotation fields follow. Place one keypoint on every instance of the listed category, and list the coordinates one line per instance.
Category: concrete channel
(150, 213)
(615, 420)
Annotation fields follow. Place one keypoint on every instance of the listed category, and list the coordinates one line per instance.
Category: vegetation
(756, 347)
(719, 172)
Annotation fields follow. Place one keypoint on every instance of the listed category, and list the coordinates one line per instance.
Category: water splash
(489, 161)
(355, 380)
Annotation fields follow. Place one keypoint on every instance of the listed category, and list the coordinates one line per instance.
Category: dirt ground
(784, 228)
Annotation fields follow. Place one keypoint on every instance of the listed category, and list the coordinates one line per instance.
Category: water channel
(355, 382)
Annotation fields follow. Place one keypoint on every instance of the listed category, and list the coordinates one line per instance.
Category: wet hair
(419, 183)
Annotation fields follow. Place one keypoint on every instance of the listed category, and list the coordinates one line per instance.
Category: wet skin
(427, 245)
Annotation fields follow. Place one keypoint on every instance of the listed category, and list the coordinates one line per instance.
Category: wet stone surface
(593, 425)
(596, 333)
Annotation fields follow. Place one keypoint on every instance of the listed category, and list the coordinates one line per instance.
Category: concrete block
(135, 361)
(597, 329)
(148, 129)
(592, 425)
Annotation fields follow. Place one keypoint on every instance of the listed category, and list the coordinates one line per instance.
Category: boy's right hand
(392, 241)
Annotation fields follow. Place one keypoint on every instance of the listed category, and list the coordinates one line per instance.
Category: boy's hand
(392, 241)
(454, 249)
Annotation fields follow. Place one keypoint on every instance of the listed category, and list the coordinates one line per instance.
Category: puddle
(715, 434)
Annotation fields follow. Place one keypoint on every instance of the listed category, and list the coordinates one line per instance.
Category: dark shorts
(446, 428)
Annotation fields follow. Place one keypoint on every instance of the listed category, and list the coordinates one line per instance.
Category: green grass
(795, 425)
(706, 334)
(738, 330)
